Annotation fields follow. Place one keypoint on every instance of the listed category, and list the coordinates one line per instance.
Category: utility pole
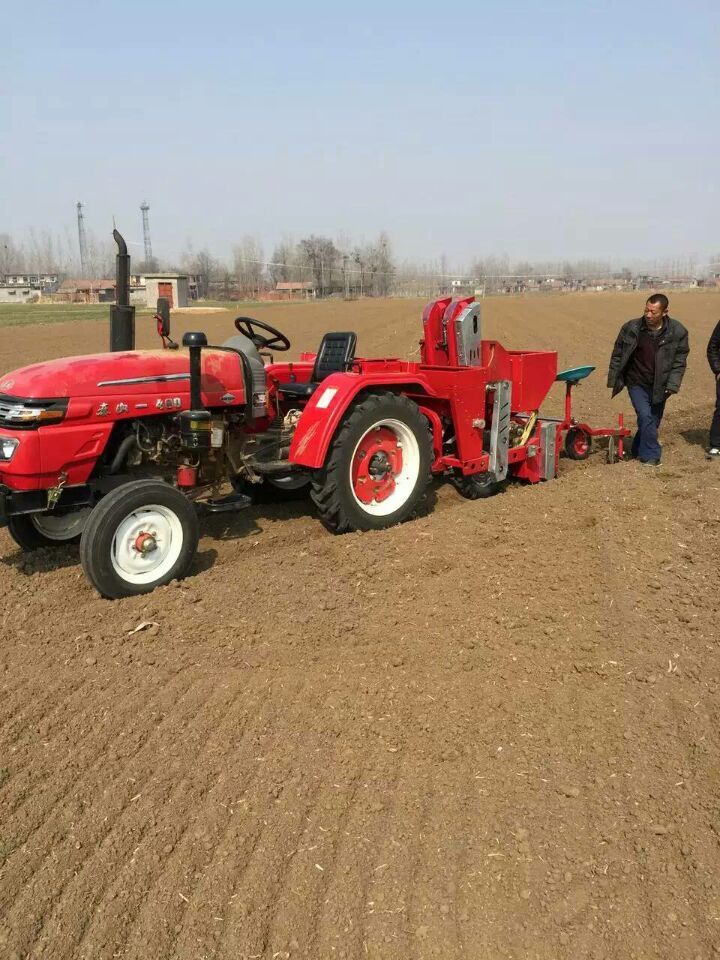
(346, 277)
(144, 207)
(82, 240)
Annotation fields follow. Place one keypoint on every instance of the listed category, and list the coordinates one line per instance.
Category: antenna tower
(145, 207)
(82, 239)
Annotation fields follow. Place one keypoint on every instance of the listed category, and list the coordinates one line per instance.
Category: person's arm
(677, 371)
(615, 359)
(713, 351)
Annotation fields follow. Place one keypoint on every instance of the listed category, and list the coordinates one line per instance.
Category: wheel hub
(377, 462)
(145, 543)
(379, 466)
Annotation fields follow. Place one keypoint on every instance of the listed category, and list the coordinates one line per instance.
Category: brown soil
(492, 732)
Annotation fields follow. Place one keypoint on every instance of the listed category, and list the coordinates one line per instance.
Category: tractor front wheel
(377, 468)
(577, 444)
(31, 531)
(141, 535)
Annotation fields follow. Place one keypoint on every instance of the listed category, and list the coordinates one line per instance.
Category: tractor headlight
(30, 414)
(8, 447)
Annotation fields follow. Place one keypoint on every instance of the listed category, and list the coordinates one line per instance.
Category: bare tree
(206, 268)
(248, 266)
(147, 266)
(359, 257)
(381, 266)
(323, 256)
(42, 257)
(281, 267)
(12, 256)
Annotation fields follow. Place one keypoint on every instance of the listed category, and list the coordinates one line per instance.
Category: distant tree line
(356, 270)
(330, 267)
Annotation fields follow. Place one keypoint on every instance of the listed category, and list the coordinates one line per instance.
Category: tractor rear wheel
(141, 535)
(31, 531)
(378, 466)
(477, 486)
(577, 444)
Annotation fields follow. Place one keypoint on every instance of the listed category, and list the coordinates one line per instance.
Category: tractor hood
(157, 372)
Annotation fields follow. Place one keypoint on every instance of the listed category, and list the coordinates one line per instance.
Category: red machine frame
(364, 436)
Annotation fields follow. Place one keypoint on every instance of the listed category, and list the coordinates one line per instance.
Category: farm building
(46, 282)
(13, 293)
(87, 291)
(173, 286)
(295, 288)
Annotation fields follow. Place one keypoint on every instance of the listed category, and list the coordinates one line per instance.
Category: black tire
(577, 444)
(477, 486)
(173, 528)
(333, 494)
(24, 531)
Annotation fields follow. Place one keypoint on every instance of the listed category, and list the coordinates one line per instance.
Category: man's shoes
(650, 463)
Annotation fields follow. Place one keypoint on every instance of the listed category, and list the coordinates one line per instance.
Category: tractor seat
(335, 355)
(574, 374)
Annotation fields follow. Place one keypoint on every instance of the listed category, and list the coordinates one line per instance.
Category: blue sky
(538, 130)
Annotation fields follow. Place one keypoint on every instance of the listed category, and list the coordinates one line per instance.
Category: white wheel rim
(293, 481)
(405, 479)
(147, 544)
(60, 527)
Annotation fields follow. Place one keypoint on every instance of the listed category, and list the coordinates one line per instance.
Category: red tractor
(123, 450)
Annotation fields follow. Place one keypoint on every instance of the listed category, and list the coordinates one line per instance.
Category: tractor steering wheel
(246, 326)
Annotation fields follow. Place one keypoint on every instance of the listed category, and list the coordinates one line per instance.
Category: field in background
(489, 733)
(24, 314)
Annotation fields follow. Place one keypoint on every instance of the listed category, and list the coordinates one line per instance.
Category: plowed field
(491, 732)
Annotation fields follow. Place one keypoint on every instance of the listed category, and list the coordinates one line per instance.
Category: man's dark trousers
(645, 444)
(715, 426)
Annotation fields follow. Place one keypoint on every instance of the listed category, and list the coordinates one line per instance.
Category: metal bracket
(500, 429)
(53, 494)
(467, 336)
(548, 436)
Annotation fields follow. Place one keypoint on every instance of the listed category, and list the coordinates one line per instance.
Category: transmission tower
(145, 207)
(82, 239)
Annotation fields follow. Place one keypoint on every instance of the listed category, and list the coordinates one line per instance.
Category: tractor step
(228, 504)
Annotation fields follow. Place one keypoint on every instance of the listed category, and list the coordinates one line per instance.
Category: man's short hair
(661, 299)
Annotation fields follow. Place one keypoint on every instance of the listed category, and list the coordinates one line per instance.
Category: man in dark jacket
(649, 358)
(713, 355)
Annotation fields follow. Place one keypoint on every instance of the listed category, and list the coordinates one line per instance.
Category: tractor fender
(329, 404)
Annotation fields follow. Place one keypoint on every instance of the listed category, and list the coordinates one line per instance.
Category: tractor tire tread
(97, 566)
(29, 538)
(325, 492)
(471, 488)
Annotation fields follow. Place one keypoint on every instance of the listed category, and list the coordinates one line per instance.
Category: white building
(15, 293)
(47, 282)
(173, 286)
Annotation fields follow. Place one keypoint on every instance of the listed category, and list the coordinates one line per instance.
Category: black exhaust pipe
(195, 423)
(122, 315)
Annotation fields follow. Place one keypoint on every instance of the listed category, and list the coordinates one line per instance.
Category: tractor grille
(20, 414)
